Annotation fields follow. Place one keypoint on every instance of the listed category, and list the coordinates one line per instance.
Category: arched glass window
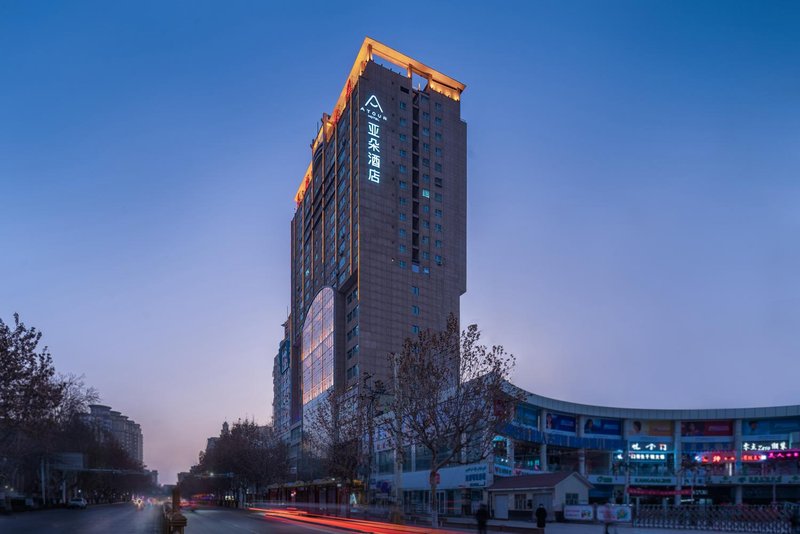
(317, 354)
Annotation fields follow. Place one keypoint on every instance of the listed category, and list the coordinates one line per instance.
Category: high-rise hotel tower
(379, 234)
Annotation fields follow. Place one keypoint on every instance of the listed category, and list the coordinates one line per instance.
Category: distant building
(125, 431)
(282, 384)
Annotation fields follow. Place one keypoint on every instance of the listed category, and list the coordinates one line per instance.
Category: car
(77, 502)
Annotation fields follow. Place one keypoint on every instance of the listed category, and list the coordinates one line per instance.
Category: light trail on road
(354, 525)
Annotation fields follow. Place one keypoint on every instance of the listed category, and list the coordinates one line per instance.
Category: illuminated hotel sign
(372, 108)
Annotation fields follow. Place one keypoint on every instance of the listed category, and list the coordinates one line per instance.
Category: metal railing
(770, 519)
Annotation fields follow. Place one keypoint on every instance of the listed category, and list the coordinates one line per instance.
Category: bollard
(175, 521)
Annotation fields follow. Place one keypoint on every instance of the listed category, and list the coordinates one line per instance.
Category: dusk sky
(633, 208)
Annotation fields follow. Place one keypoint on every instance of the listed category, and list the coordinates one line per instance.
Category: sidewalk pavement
(497, 526)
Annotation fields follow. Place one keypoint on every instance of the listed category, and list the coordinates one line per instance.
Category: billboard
(707, 428)
(555, 422)
(766, 427)
(651, 428)
(609, 513)
(602, 427)
(579, 512)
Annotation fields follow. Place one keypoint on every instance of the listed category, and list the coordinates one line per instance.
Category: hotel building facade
(379, 233)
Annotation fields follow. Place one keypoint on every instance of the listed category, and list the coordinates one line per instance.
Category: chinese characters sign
(765, 446)
(644, 446)
(374, 112)
(647, 456)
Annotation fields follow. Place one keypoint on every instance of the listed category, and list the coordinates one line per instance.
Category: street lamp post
(369, 394)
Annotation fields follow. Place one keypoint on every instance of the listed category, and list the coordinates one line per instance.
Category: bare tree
(341, 432)
(76, 397)
(247, 456)
(450, 396)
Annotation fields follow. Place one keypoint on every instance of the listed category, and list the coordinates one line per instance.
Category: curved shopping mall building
(733, 455)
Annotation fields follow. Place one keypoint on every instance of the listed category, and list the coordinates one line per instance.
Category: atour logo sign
(374, 112)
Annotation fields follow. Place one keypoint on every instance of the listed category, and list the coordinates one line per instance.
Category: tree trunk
(434, 500)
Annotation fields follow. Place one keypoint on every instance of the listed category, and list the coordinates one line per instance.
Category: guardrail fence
(771, 519)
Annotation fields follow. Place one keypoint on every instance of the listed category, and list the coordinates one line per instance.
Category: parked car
(77, 502)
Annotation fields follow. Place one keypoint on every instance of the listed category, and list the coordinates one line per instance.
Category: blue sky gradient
(634, 193)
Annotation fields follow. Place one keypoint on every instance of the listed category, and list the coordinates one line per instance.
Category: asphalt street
(125, 519)
(104, 518)
(215, 520)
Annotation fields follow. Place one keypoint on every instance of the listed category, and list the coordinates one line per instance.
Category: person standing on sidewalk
(794, 522)
(541, 516)
(482, 516)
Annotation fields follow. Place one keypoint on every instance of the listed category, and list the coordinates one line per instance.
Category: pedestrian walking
(482, 516)
(541, 516)
(794, 522)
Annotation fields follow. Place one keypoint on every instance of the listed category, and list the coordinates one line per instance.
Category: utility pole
(44, 491)
(398, 452)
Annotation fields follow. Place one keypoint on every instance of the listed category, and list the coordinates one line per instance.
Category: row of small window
(425, 255)
(426, 132)
(425, 224)
(352, 352)
(414, 267)
(352, 372)
(352, 296)
(426, 147)
(353, 332)
(426, 193)
(403, 201)
(437, 106)
(425, 163)
(425, 209)
(352, 314)
(425, 116)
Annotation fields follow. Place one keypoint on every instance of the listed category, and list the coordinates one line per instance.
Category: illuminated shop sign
(765, 446)
(374, 112)
(647, 456)
(773, 455)
(716, 458)
(648, 446)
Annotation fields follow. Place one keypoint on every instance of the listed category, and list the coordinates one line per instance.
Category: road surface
(120, 518)
(125, 519)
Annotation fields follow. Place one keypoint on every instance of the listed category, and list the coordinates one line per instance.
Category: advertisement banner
(707, 428)
(614, 513)
(555, 422)
(658, 492)
(651, 428)
(602, 427)
(652, 481)
(579, 512)
(766, 427)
